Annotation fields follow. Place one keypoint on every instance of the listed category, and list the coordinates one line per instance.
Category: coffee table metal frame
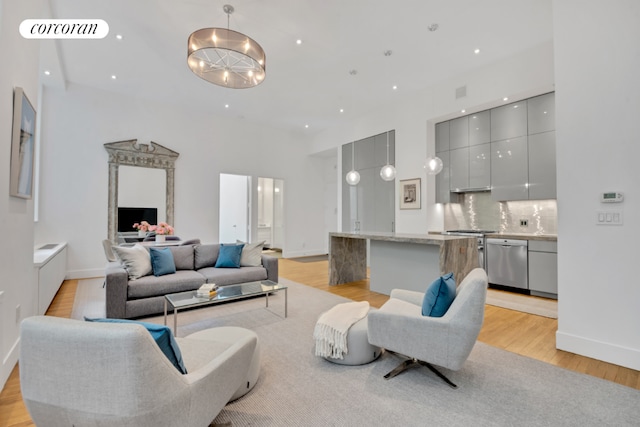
(189, 299)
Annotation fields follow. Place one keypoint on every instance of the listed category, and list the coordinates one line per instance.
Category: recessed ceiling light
(47, 73)
(463, 111)
(226, 105)
(119, 36)
(342, 110)
(505, 99)
(298, 41)
(394, 87)
(306, 126)
(477, 51)
(113, 77)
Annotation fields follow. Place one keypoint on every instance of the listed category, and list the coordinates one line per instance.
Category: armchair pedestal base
(412, 363)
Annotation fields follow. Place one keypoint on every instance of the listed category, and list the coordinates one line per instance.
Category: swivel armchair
(446, 341)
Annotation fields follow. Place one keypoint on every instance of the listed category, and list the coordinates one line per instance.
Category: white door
(234, 208)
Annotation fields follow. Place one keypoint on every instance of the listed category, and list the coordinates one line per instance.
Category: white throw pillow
(136, 260)
(251, 254)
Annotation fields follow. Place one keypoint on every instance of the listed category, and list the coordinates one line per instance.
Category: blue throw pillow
(162, 261)
(439, 296)
(162, 335)
(229, 256)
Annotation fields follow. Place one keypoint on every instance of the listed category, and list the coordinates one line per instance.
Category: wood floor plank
(525, 334)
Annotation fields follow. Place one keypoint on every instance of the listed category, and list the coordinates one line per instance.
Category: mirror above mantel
(132, 153)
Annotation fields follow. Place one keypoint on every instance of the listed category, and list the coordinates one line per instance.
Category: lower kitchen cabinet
(543, 268)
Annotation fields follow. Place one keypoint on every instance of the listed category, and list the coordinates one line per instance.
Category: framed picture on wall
(22, 145)
(410, 193)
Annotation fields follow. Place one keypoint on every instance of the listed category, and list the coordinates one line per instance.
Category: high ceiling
(306, 84)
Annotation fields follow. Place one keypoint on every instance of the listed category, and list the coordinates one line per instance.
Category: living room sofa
(195, 265)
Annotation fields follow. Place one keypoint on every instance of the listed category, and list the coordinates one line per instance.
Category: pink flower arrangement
(162, 228)
(142, 226)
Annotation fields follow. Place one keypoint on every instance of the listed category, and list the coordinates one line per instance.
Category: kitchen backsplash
(479, 211)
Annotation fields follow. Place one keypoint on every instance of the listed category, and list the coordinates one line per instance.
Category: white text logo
(64, 29)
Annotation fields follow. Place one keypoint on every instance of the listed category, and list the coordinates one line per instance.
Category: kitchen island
(407, 261)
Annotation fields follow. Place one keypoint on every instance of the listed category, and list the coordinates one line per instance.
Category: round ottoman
(230, 334)
(360, 351)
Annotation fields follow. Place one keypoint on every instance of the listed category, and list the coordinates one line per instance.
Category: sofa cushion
(183, 257)
(206, 255)
(151, 286)
(163, 337)
(136, 260)
(251, 254)
(162, 261)
(229, 256)
(439, 296)
(231, 276)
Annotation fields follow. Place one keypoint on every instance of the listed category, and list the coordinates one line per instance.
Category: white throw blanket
(331, 330)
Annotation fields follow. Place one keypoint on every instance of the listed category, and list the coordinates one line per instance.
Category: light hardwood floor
(521, 333)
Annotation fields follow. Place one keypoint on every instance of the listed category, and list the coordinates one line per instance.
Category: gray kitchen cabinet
(459, 169)
(541, 112)
(369, 205)
(480, 166)
(509, 169)
(542, 166)
(543, 268)
(459, 133)
(442, 137)
(509, 121)
(480, 128)
(443, 192)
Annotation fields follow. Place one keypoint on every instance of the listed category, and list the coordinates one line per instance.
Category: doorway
(234, 208)
(271, 212)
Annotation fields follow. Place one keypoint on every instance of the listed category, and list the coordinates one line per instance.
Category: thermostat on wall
(611, 197)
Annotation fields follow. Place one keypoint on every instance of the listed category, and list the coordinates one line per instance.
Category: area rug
(495, 387)
(533, 305)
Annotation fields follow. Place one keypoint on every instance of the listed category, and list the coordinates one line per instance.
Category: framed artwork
(22, 145)
(410, 193)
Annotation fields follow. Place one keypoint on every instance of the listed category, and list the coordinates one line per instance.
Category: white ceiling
(307, 83)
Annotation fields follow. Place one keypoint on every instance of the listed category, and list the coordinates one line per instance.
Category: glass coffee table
(190, 299)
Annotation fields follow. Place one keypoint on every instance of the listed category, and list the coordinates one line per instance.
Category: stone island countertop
(397, 260)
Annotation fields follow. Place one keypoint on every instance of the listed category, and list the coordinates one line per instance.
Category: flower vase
(142, 233)
(160, 238)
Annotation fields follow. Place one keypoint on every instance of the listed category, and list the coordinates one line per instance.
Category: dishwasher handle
(507, 242)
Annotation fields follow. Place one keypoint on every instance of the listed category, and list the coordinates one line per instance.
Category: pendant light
(433, 165)
(388, 172)
(353, 177)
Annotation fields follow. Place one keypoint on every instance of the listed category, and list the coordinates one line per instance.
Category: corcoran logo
(64, 29)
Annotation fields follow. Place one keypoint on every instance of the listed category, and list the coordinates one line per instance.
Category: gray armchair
(446, 341)
(104, 374)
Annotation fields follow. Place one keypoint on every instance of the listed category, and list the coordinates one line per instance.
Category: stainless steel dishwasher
(507, 263)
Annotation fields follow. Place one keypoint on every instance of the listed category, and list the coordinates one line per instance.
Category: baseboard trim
(84, 274)
(296, 254)
(607, 352)
(9, 363)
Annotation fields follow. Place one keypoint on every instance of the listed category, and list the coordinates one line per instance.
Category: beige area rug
(527, 304)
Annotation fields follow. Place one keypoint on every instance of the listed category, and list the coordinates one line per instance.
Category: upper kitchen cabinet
(365, 155)
(480, 128)
(459, 133)
(442, 137)
(443, 193)
(480, 166)
(542, 166)
(541, 113)
(459, 169)
(509, 121)
(509, 169)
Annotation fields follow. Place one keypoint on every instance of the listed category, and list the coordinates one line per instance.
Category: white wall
(17, 286)
(80, 120)
(598, 145)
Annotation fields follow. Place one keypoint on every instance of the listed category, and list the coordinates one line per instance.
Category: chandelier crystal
(225, 57)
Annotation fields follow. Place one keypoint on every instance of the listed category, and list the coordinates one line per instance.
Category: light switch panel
(609, 218)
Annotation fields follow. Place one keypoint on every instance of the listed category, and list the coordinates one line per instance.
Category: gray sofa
(126, 299)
